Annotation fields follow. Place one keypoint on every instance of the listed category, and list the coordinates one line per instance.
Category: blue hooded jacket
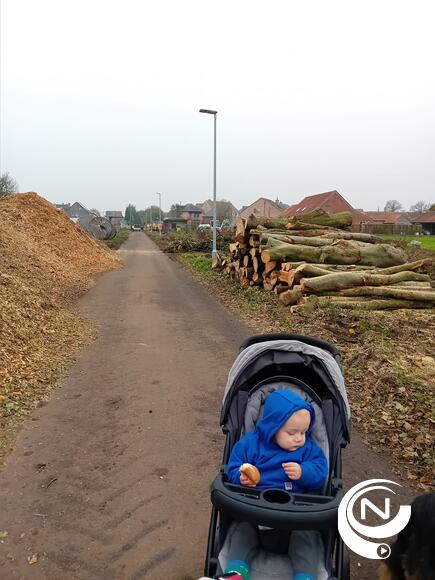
(259, 448)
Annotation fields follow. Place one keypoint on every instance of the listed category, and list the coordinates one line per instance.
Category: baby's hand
(246, 481)
(292, 470)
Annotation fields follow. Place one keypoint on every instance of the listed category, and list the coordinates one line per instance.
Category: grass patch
(120, 237)
(388, 361)
(427, 242)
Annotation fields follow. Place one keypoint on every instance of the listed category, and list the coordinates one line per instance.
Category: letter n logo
(366, 503)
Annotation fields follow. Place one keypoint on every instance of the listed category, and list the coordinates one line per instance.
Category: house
(225, 210)
(427, 222)
(391, 222)
(191, 213)
(330, 201)
(174, 224)
(115, 218)
(75, 211)
(389, 217)
(263, 207)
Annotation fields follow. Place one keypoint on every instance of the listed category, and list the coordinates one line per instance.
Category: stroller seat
(267, 562)
(243, 517)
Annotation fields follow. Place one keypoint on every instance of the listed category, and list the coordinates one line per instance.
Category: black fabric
(307, 368)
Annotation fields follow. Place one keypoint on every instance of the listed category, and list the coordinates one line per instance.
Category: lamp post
(214, 250)
(160, 211)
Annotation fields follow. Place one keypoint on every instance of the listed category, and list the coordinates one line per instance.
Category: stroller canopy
(277, 357)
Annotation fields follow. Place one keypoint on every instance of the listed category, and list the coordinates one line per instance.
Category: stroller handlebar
(276, 508)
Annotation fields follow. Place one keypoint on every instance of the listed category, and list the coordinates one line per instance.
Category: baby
(282, 449)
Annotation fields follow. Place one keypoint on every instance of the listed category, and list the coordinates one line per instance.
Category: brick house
(207, 211)
(263, 207)
(389, 217)
(330, 201)
(192, 214)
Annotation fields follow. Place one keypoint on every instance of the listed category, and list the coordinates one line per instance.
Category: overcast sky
(100, 100)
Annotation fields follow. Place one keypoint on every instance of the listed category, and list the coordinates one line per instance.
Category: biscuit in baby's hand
(251, 472)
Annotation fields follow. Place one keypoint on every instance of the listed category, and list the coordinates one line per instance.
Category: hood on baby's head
(279, 406)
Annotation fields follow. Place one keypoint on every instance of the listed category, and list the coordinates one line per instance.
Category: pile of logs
(316, 261)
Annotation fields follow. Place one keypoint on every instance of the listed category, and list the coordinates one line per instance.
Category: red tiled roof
(425, 218)
(330, 201)
(386, 217)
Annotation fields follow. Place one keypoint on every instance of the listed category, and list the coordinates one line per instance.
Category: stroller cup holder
(276, 496)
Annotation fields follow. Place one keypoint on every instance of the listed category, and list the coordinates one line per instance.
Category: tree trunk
(344, 280)
(329, 267)
(360, 237)
(389, 304)
(340, 252)
(278, 223)
(305, 241)
(388, 292)
(295, 224)
(291, 297)
(320, 217)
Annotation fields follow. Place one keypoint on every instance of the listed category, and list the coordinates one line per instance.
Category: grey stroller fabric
(252, 352)
(242, 543)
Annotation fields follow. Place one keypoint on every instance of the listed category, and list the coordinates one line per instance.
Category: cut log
(390, 304)
(280, 288)
(320, 217)
(290, 297)
(358, 236)
(270, 223)
(305, 241)
(405, 267)
(330, 267)
(283, 276)
(246, 260)
(257, 264)
(342, 280)
(273, 277)
(295, 224)
(240, 230)
(389, 292)
(270, 266)
(341, 252)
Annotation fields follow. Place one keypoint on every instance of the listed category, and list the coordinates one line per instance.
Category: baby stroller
(311, 368)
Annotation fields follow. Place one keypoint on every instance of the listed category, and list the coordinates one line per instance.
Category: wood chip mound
(45, 261)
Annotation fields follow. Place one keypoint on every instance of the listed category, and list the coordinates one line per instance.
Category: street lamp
(214, 250)
(160, 211)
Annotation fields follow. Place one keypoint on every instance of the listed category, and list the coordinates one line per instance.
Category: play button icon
(383, 551)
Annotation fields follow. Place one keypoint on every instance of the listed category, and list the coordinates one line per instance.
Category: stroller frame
(278, 508)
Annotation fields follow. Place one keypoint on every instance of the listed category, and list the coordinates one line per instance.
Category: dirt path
(109, 480)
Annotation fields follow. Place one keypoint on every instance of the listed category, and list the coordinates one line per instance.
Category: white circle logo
(351, 529)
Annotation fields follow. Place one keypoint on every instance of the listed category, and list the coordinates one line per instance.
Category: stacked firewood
(317, 261)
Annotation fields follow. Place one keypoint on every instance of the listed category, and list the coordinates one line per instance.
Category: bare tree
(420, 207)
(8, 184)
(432, 207)
(393, 205)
